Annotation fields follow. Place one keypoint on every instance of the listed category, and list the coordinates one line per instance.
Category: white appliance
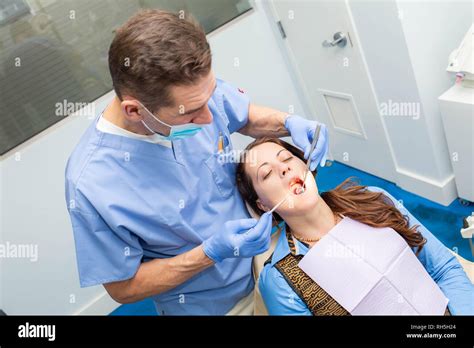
(461, 60)
(457, 110)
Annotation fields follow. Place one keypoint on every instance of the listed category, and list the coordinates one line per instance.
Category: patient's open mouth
(297, 186)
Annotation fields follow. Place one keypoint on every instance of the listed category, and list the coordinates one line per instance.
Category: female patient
(272, 168)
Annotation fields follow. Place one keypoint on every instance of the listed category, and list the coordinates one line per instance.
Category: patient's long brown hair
(348, 198)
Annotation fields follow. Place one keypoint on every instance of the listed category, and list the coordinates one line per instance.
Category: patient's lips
(297, 186)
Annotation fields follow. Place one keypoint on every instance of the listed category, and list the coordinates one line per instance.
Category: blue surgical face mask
(180, 131)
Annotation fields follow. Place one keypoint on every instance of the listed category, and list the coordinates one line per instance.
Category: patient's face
(276, 172)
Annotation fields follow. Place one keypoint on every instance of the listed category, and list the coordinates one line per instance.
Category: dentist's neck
(314, 223)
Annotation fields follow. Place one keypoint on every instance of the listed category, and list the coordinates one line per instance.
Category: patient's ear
(261, 206)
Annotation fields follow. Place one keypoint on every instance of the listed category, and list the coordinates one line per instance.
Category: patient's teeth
(297, 186)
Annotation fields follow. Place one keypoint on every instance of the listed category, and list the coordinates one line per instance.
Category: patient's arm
(279, 297)
(442, 266)
(448, 273)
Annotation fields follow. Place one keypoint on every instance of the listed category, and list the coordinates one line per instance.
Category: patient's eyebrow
(264, 163)
(279, 152)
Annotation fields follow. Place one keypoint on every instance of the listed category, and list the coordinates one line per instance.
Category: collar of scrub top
(131, 145)
(116, 140)
(106, 126)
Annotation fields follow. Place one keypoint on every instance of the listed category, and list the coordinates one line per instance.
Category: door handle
(339, 39)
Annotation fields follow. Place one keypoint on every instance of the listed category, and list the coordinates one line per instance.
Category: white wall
(35, 214)
(34, 208)
(262, 70)
(406, 45)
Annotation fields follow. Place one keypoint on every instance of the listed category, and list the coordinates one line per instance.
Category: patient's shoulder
(272, 284)
(269, 276)
(279, 297)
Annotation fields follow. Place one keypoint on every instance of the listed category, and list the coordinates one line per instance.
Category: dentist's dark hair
(154, 51)
(348, 198)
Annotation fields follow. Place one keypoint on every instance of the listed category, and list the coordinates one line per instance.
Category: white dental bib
(372, 271)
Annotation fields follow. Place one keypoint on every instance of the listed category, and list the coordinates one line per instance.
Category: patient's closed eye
(285, 157)
(267, 175)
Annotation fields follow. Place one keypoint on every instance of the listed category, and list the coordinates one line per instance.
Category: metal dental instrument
(313, 145)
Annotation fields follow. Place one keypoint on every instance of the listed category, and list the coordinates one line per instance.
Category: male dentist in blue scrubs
(154, 208)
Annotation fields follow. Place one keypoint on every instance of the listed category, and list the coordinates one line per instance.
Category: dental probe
(279, 203)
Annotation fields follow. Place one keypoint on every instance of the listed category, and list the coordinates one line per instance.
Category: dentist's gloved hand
(302, 132)
(240, 238)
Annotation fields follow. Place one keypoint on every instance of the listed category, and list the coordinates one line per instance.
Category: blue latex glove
(240, 238)
(302, 132)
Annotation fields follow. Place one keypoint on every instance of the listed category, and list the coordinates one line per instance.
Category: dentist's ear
(261, 206)
(132, 109)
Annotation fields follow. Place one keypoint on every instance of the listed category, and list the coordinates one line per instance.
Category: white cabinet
(457, 109)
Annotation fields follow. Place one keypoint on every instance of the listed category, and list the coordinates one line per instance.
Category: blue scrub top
(131, 201)
(439, 262)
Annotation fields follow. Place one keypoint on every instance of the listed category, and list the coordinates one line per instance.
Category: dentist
(154, 207)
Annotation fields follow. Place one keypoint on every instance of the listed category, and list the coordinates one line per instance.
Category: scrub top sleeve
(234, 103)
(442, 266)
(102, 255)
(279, 297)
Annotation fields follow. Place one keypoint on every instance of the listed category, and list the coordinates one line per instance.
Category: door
(336, 81)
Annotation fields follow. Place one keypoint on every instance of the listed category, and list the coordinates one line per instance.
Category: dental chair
(259, 260)
(258, 263)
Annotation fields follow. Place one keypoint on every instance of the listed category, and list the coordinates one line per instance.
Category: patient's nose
(285, 170)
